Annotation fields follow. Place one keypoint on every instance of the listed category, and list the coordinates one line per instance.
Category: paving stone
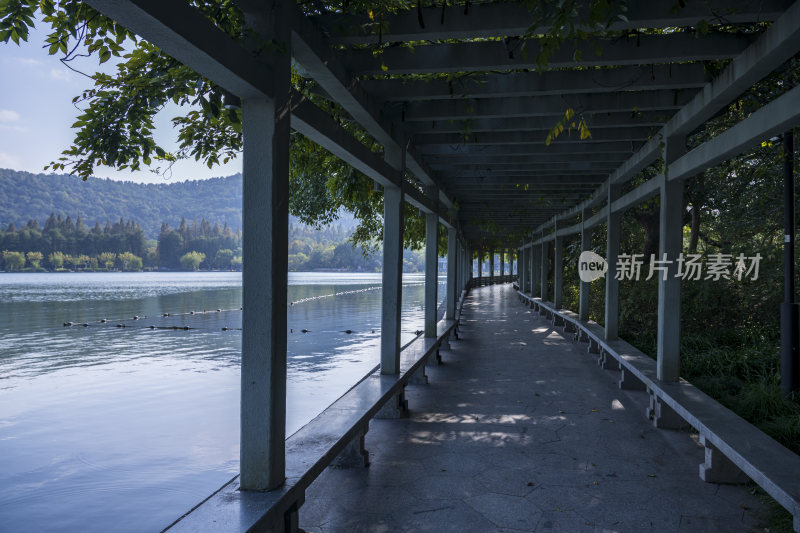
(518, 402)
(506, 511)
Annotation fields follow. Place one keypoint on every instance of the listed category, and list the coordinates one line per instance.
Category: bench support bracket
(663, 416)
(628, 381)
(396, 407)
(717, 468)
(607, 361)
(419, 377)
(354, 454)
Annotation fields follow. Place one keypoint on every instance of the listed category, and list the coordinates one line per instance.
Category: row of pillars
(504, 257)
(535, 263)
(265, 169)
(264, 285)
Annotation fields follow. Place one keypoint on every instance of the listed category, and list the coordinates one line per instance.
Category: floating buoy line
(343, 293)
(122, 322)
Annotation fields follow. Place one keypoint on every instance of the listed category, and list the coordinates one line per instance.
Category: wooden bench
(335, 436)
(735, 450)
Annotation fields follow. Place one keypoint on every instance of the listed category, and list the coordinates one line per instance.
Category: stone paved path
(520, 430)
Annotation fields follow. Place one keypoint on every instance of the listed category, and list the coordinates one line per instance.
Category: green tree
(107, 260)
(170, 246)
(13, 260)
(192, 260)
(236, 263)
(223, 258)
(82, 261)
(35, 259)
(56, 260)
(129, 262)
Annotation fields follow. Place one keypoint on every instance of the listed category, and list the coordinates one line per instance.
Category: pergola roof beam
(531, 167)
(594, 121)
(778, 43)
(624, 148)
(183, 32)
(498, 55)
(319, 127)
(525, 137)
(601, 80)
(508, 19)
(532, 179)
(312, 50)
(543, 106)
(489, 159)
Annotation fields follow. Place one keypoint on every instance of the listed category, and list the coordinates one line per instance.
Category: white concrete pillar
(521, 264)
(558, 273)
(612, 251)
(392, 279)
(431, 265)
(460, 259)
(454, 273)
(480, 263)
(502, 263)
(669, 289)
(586, 244)
(265, 212)
(545, 270)
(491, 265)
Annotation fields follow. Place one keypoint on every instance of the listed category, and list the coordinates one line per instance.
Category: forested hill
(25, 196)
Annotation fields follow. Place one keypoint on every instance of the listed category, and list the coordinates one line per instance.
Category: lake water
(106, 428)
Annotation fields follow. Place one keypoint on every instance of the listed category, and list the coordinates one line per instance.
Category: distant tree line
(65, 244)
(194, 245)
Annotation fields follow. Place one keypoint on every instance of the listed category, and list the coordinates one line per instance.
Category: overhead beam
(778, 44)
(524, 167)
(458, 181)
(489, 159)
(594, 121)
(777, 116)
(780, 115)
(552, 83)
(315, 54)
(542, 106)
(624, 148)
(184, 33)
(520, 174)
(526, 137)
(321, 128)
(499, 55)
(510, 19)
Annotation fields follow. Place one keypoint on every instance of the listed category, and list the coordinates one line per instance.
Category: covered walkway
(519, 429)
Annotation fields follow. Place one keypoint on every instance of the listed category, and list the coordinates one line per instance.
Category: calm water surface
(106, 428)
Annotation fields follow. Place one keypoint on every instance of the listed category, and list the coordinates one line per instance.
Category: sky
(36, 112)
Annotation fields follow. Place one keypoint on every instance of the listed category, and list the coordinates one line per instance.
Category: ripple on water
(107, 428)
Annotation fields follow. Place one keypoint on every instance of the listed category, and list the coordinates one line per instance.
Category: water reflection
(109, 428)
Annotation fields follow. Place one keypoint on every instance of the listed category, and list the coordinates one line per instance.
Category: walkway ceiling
(479, 117)
(461, 90)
